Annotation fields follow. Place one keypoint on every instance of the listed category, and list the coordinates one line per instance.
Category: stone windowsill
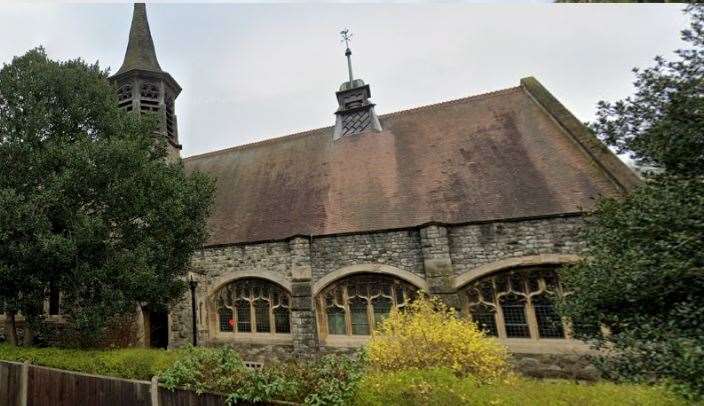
(252, 338)
(515, 345)
(345, 341)
(547, 346)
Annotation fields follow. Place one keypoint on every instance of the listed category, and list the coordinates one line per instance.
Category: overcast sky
(256, 71)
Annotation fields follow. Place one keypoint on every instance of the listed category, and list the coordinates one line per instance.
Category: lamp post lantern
(193, 284)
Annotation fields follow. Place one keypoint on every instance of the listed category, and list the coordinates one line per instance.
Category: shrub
(429, 334)
(330, 380)
(222, 370)
(443, 387)
(131, 363)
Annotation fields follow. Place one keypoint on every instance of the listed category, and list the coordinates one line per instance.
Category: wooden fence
(30, 385)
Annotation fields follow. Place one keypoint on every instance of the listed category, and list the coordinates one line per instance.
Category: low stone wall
(566, 366)
(264, 353)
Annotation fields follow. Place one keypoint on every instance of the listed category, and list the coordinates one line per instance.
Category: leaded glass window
(549, 322)
(354, 305)
(514, 310)
(261, 315)
(516, 304)
(485, 317)
(254, 306)
(382, 307)
(226, 319)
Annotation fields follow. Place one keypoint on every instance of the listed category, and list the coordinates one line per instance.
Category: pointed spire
(140, 48)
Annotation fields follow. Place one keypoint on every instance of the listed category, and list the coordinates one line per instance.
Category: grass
(129, 363)
(441, 387)
(406, 387)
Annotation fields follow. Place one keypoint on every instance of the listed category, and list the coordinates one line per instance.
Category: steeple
(142, 85)
(355, 113)
(140, 47)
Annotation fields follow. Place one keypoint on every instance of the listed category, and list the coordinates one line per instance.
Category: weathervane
(347, 37)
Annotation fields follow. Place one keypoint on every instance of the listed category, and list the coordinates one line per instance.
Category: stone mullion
(272, 320)
(531, 318)
(500, 322)
(370, 315)
(252, 317)
(348, 311)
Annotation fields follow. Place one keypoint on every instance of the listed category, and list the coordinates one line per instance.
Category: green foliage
(327, 381)
(132, 363)
(662, 125)
(88, 201)
(331, 380)
(444, 387)
(617, 1)
(643, 274)
(643, 279)
(430, 334)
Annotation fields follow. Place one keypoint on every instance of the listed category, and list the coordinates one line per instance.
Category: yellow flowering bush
(429, 334)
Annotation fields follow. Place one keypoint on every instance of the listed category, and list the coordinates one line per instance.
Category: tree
(88, 199)
(643, 273)
(616, 1)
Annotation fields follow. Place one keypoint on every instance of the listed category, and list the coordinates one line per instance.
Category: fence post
(154, 391)
(24, 383)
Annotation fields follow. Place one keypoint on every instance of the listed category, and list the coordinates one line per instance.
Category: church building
(316, 236)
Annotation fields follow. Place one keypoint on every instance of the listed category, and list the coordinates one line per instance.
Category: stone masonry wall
(401, 249)
(437, 253)
(213, 263)
(474, 245)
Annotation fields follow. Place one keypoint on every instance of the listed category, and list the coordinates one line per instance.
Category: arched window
(516, 304)
(354, 305)
(254, 306)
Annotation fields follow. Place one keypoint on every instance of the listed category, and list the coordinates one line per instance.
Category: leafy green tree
(616, 1)
(89, 201)
(639, 292)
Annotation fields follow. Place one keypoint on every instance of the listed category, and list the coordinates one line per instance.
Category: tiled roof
(509, 154)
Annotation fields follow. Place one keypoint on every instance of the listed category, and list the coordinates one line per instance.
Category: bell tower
(355, 113)
(143, 86)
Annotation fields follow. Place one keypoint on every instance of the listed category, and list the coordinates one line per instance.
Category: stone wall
(401, 249)
(566, 366)
(436, 253)
(477, 244)
(213, 263)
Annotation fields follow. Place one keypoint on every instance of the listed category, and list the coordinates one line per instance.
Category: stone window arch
(354, 305)
(516, 303)
(253, 305)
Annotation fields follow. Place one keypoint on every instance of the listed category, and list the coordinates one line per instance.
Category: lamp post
(193, 284)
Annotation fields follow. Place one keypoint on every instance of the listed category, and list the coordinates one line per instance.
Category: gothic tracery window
(356, 304)
(254, 306)
(516, 304)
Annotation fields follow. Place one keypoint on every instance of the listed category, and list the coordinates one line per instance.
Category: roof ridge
(383, 116)
(257, 143)
(453, 101)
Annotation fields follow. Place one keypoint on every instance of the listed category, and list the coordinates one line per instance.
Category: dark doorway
(158, 329)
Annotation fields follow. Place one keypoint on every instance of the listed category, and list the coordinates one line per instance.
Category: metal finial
(347, 37)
